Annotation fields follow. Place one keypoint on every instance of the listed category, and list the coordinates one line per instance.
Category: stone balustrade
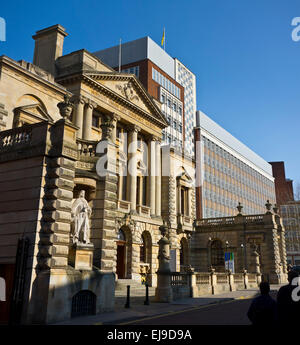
(15, 137)
(178, 278)
(211, 222)
(123, 206)
(86, 148)
(214, 221)
(194, 284)
(143, 210)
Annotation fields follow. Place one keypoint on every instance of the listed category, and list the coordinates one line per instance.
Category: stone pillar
(213, 278)
(87, 121)
(163, 292)
(78, 118)
(158, 180)
(231, 281)
(246, 279)
(152, 173)
(192, 282)
(103, 230)
(132, 167)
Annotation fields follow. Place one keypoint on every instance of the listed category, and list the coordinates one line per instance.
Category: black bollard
(147, 295)
(127, 305)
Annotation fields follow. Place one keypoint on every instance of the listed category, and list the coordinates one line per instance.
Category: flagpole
(120, 56)
(164, 38)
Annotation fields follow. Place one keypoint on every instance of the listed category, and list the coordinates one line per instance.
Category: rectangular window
(95, 121)
(124, 187)
(144, 190)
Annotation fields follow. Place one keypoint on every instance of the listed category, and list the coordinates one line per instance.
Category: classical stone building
(71, 123)
(257, 243)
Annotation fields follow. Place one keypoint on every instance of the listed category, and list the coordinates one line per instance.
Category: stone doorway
(121, 252)
(121, 255)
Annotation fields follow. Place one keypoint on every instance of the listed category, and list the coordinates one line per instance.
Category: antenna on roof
(120, 55)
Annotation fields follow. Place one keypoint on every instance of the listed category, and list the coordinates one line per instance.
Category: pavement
(140, 312)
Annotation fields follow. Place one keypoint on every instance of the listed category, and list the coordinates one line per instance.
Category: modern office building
(228, 172)
(289, 210)
(166, 79)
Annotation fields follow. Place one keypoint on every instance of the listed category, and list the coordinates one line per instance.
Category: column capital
(152, 137)
(133, 128)
(91, 104)
(115, 117)
(78, 99)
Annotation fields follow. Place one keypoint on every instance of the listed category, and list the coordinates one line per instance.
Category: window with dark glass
(143, 250)
(217, 253)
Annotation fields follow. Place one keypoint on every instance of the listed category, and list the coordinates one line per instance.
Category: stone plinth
(163, 292)
(81, 256)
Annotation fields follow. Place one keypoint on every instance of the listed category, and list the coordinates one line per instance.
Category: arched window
(217, 253)
(121, 235)
(83, 303)
(143, 249)
(181, 255)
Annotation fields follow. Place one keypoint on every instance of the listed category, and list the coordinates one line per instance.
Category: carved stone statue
(81, 213)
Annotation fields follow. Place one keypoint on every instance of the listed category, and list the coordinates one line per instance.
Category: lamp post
(227, 245)
(243, 251)
(209, 254)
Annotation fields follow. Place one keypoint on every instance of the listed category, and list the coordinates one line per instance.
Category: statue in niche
(80, 215)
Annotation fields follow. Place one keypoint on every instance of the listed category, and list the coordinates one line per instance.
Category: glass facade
(165, 83)
(172, 109)
(188, 80)
(227, 180)
(132, 70)
(291, 220)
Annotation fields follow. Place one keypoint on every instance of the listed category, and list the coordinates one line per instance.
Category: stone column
(231, 281)
(158, 180)
(87, 121)
(152, 173)
(246, 279)
(132, 167)
(78, 120)
(103, 229)
(213, 278)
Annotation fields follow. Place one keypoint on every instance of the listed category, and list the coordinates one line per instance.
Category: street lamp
(209, 253)
(243, 251)
(227, 245)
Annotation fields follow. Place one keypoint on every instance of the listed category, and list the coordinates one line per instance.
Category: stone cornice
(162, 123)
(16, 66)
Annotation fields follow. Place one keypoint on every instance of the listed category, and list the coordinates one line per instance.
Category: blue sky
(241, 51)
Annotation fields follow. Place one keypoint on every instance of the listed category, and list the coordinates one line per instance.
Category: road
(225, 313)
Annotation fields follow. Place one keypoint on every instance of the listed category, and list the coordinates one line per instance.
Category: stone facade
(72, 123)
(247, 237)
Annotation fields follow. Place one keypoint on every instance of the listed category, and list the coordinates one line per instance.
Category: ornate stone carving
(125, 221)
(66, 107)
(81, 213)
(268, 207)
(127, 90)
(107, 126)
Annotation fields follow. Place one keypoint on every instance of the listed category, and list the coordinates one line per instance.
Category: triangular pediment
(128, 88)
(184, 176)
(31, 114)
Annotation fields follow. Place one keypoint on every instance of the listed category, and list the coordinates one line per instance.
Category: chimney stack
(48, 47)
